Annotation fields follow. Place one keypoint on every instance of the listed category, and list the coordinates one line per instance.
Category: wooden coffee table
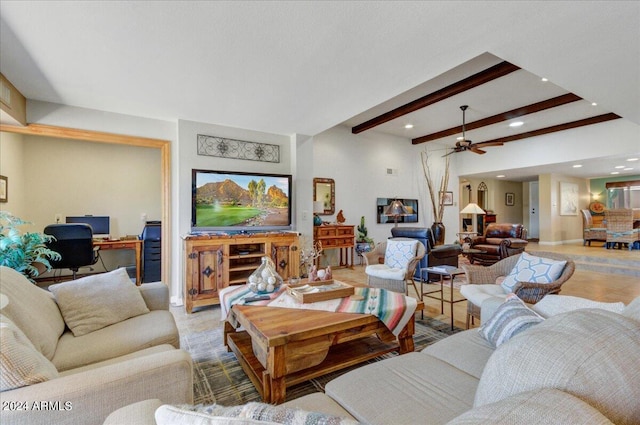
(281, 347)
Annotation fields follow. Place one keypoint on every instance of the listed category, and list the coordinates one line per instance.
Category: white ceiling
(303, 67)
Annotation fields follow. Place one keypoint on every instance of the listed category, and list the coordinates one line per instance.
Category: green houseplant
(24, 251)
(363, 242)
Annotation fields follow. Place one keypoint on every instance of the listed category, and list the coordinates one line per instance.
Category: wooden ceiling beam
(489, 74)
(553, 129)
(503, 116)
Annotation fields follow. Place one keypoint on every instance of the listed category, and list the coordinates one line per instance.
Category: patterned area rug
(219, 378)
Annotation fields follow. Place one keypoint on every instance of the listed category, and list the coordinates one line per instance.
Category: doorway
(534, 215)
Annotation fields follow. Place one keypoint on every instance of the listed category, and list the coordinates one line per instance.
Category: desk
(448, 271)
(134, 244)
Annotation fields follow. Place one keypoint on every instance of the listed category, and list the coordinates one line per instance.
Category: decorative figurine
(340, 217)
(327, 274)
(313, 274)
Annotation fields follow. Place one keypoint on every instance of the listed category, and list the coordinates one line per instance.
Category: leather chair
(74, 242)
(500, 240)
(441, 255)
(589, 232)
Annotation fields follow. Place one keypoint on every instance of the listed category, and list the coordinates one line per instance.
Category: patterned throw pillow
(250, 413)
(399, 253)
(530, 268)
(20, 363)
(511, 318)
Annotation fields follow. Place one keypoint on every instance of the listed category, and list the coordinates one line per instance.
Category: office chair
(74, 242)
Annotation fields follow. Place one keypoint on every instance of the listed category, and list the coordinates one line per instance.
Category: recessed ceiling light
(628, 169)
(545, 79)
(500, 176)
(619, 166)
(408, 126)
(577, 166)
(632, 159)
(516, 124)
(594, 104)
(615, 172)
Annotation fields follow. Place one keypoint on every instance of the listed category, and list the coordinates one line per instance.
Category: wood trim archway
(101, 137)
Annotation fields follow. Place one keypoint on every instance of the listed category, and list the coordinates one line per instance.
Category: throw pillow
(533, 407)
(20, 363)
(511, 318)
(250, 413)
(95, 302)
(592, 354)
(399, 253)
(530, 268)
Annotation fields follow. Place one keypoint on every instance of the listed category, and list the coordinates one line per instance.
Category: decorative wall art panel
(237, 149)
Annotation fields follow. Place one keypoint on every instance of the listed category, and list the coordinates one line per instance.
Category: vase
(437, 230)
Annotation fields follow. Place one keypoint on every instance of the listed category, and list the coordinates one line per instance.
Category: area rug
(219, 378)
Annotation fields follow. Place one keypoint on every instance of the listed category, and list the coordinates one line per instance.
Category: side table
(443, 271)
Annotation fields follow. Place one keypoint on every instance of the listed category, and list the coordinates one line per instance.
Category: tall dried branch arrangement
(436, 200)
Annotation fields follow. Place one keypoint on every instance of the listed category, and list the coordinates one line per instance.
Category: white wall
(187, 158)
(359, 163)
(11, 160)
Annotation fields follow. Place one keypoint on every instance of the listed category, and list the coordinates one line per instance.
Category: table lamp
(318, 207)
(396, 209)
(475, 210)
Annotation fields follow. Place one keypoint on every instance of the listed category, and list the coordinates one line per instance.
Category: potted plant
(25, 252)
(363, 242)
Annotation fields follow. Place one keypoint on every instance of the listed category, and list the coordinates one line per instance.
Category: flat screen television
(232, 201)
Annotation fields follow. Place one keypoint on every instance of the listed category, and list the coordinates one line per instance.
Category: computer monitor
(99, 224)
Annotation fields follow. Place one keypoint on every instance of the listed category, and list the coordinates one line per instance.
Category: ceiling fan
(467, 145)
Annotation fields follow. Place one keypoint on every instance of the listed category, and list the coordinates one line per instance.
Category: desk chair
(74, 242)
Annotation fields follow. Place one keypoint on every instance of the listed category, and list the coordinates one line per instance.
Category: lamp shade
(396, 208)
(318, 207)
(472, 209)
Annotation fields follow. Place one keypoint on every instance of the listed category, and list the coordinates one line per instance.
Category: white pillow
(530, 268)
(399, 253)
(20, 363)
(97, 301)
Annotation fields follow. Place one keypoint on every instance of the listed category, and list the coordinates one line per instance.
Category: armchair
(589, 232)
(620, 229)
(500, 240)
(391, 264)
(484, 283)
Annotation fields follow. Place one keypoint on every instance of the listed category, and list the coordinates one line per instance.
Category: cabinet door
(286, 258)
(205, 270)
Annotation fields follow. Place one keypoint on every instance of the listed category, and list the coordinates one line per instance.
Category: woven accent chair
(483, 282)
(590, 233)
(620, 229)
(396, 277)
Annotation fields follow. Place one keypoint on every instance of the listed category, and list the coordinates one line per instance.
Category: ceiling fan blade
(488, 144)
(476, 150)
(447, 154)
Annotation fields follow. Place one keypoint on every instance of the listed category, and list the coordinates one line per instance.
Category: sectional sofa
(76, 353)
(574, 361)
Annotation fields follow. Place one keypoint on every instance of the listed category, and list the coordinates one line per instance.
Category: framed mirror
(324, 190)
(483, 196)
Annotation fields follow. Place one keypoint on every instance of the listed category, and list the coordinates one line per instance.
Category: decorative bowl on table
(265, 279)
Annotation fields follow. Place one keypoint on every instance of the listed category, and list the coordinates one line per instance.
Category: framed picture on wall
(446, 198)
(4, 189)
(568, 198)
(510, 199)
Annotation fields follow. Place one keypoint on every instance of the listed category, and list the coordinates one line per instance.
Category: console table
(336, 236)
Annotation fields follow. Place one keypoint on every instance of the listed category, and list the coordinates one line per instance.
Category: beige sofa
(51, 375)
(578, 366)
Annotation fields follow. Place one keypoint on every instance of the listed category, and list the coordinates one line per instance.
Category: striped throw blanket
(391, 308)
